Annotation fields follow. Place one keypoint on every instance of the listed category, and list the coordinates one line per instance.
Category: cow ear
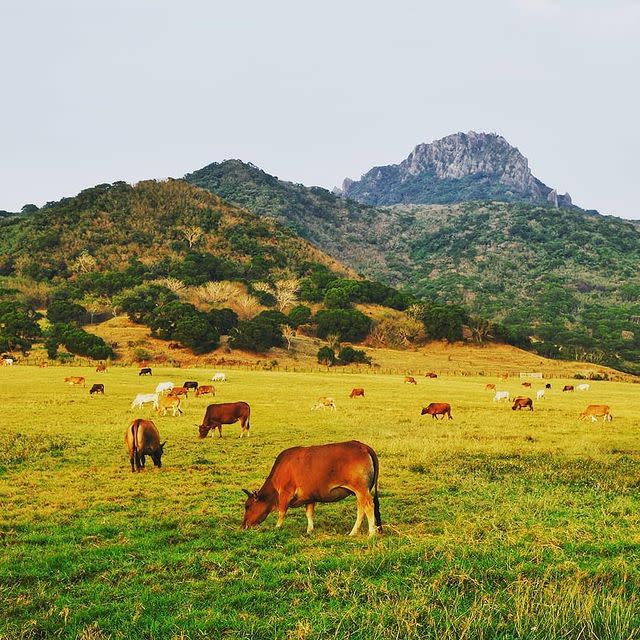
(247, 492)
(162, 445)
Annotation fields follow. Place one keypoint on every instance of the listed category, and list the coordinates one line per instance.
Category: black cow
(96, 388)
(145, 371)
(190, 384)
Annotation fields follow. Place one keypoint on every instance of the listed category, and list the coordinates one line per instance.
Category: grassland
(499, 524)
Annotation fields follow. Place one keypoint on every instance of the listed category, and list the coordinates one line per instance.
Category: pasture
(498, 523)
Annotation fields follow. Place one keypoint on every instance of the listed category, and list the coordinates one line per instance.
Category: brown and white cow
(304, 476)
(437, 409)
(357, 392)
(143, 439)
(75, 381)
(567, 387)
(522, 402)
(225, 413)
(410, 380)
(324, 402)
(595, 411)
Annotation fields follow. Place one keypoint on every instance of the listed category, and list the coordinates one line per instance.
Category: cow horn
(162, 445)
(247, 492)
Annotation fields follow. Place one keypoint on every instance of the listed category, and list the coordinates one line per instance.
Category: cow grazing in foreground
(164, 386)
(205, 389)
(438, 409)
(522, 402)
(169, 402)
(526, 385)
(145, 371)
(96, 388)
(145, 398)
(410, 380)
(142, 439)
(101, 368)
(324, 403)
(75, 381)
(190, 384)
(567, 387)
(430, 375)
(219, 377)
(490, 387)
(501, 395)
(547, 386)
(225, 413)
(594, 411)
(304, 476)
(179, 391)
(583, 387)
(357, 392)
(540, 394)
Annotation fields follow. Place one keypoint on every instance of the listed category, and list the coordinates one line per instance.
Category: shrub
(19, 328)
(64, 311)
(350, 355)
(326, 356)
(223, 320)
(77, 341)
(299, 315)
(259, 335)
(349, 324)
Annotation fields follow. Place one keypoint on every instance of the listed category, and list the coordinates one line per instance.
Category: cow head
(203, 430)
(256, 509)
(424, 410)
(156, 456)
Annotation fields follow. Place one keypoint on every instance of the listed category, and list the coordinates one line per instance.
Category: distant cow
(438, 409)
(190, 384)
(539, 394)
(8, 362)
(594, 411)
(179, 391)
(430, 375)
(164, 386)
(526, 384)
(101, 368)
(205, 389)
(174, 345)
(501, 395)
(324, 403)
(547, 386)
(490, 387)
(96, 388)
(142, 439)
(225, 413)
(75, 381)
(145, 398)
(169, 402)
(145, 371)
(583, 387)
(567, 387)
(219, 377)
(504, 376)
(410, 380)
(522, 402)
(357, 392)
(326, 473)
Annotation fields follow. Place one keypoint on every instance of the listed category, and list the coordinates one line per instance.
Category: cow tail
(376, 501)
(135, 425)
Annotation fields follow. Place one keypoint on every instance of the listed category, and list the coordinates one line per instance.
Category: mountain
(458, 168)
(567, 278)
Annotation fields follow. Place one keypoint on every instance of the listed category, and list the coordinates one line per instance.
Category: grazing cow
(205, 389)
(547, 386)
(43, 365)
(96, 388)
(410, 380)
(504, 376)
(169, 402)
(179, 391)
(145, 398)
(190, 384)
(303, 476)
(101, 368)
(527, 385)
(594, 411)
(567, 387)
(8, 362)
(539, 394)
(225, 413)
(356, 391)
(219, 377)
(75, 381)
(501, 395)
(174, 345)
(430, 375)
(142, 439)
(490, 387)
(583, 387)
(164, 386)
(145, 371)
(522, 402)
(437, 409)
(323, 403)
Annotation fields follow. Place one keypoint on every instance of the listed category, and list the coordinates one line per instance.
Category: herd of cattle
(300, 476)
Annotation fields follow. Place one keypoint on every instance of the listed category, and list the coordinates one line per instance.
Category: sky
(95, 91)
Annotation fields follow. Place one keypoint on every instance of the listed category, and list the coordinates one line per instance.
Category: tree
(350, 355)
(289, 333)
(19, 328)
(351, 325)
(84, 263)
(259, 335)
(224, 320)
(326, 356)
(299, 315)
(63, 311)
(142, 300)
(195, 332)
(192, 234)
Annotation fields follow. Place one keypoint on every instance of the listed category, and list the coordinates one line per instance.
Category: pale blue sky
(95, 91)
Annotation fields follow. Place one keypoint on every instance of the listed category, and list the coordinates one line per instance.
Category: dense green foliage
(350, 325)
(19, 327)
(259, 334)
(77, 341)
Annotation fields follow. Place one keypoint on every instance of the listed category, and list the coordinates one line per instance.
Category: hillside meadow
(498, 524)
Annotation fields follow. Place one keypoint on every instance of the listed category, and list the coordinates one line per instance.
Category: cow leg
(132, 460)
(219, 426)
(310, 509)
(284, 499)
(359, 517)
(368, 509)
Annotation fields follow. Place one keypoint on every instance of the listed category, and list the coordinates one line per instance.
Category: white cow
(324, 403)
(540, 394)
(8, 362)
(583, 387)
(219, 377)
(501, 395)
(145, 398)
(164, 386)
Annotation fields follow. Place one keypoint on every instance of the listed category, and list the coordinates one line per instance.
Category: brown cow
(430, 375)
(357, 391)
(522, 402)
(594, 411)
(225, 413)
(437, 409)
(490, 387)
(169, 402)
(325, 473)
(179, 391)
(567, 387)
(504, 376)
(410, 380)
(205, 389)
(75, 381)
(142, 439)
(101, 368)
(527, 385)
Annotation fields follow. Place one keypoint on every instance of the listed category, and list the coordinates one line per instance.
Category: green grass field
(498, 524)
